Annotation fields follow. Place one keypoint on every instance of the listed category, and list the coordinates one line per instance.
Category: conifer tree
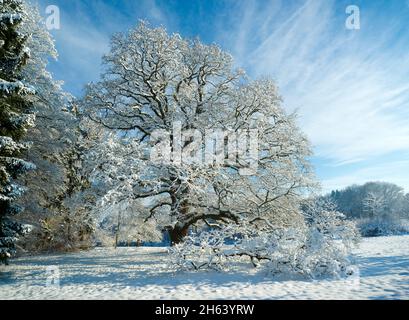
(16, 99)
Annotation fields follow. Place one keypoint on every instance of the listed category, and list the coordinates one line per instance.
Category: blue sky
(349, 87)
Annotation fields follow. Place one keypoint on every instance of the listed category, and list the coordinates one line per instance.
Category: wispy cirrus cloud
(386, 171)
(350, 87)
(86, 29)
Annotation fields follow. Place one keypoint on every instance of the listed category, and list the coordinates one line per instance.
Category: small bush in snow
(320, 247)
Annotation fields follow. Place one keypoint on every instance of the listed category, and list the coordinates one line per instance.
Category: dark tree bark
(178, 233)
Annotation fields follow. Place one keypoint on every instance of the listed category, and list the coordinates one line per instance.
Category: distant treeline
(379, 207)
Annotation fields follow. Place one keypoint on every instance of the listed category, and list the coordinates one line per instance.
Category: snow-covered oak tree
(185, 99)
(16, 98)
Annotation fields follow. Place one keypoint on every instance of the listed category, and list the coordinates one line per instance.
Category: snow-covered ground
(142, 273)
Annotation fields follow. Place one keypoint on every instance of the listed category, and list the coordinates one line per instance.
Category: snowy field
(141, 273)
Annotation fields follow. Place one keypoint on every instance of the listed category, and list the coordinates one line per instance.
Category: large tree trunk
(181, 229)
(178, 233)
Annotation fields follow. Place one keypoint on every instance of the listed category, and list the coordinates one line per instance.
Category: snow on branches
(16, 117)
(10, 18)
(16, 87)
(320, 247)
(152, 82)
(161, 97)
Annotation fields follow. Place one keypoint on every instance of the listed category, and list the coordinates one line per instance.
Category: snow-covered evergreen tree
(15, 118)
(54, 133)
(54, 207)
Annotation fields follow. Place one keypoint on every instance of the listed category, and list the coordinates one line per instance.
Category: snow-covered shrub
(63, 232)
(322, 246)
(382, 227)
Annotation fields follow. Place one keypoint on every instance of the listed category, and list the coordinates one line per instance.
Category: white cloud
(349, 87)
(85, 34)
(394, 172)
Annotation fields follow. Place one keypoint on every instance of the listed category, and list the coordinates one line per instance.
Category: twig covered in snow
(321, 247)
